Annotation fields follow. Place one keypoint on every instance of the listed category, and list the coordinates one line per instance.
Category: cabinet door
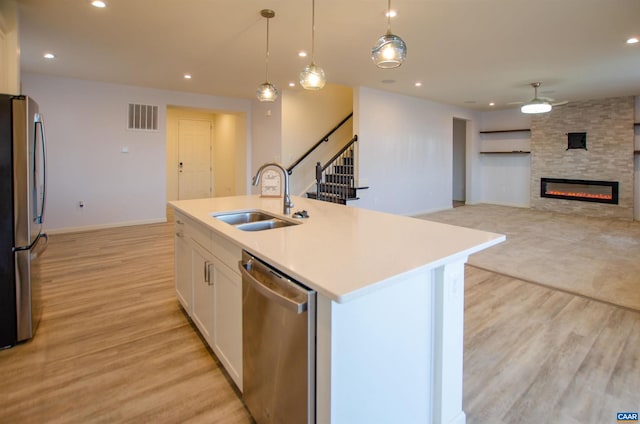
(227, 335)
(202, 278)
(182, 267)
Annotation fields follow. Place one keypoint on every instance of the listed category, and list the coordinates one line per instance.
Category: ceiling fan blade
(564, 102)
(515, 103)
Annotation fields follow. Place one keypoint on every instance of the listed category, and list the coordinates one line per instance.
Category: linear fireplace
(584, 190)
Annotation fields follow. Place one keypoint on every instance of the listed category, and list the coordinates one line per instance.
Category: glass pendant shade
(536, 106)
(312, 77)
(389, 52)
(267, 92)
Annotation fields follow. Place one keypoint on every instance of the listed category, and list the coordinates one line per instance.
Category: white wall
(230, 155)
(459, 159)
(406, 153)
(9, 48)
(636, 159)
(505, 179)
(266, 133)
(86, 130)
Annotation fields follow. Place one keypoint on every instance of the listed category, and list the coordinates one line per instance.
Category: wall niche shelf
(512, 152)
(516, 141)
(505, 131)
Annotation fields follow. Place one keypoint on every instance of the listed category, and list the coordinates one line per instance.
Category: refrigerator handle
(40, 250)
(40, 124)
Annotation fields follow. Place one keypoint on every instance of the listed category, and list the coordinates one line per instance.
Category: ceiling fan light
(312, 77)
(536, 106)
(389, 52)
(267, 92)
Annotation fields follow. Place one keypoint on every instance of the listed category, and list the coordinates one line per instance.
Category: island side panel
(448, 346)
(375, 355)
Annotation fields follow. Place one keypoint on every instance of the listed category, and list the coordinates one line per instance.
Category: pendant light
(267, 92)
(390, 50)
(312, 77)
(536, 105)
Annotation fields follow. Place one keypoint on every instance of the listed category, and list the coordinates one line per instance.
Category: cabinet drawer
(228, 252)
(199, 233)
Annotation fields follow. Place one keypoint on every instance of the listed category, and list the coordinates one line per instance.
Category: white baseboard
(103, 226)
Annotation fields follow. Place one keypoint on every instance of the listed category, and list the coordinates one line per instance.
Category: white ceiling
(465, 52)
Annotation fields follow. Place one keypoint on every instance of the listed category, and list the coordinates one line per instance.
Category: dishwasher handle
(297, 307)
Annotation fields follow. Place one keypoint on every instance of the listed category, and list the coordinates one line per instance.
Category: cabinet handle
(210, 280)
(207, 273)
(179, 222)
(179, 234)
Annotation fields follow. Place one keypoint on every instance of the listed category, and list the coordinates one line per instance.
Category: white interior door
(195, 161)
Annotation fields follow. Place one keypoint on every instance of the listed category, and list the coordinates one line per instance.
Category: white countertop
(340, 251)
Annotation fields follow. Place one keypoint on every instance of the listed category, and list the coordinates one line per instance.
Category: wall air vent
(142, 117)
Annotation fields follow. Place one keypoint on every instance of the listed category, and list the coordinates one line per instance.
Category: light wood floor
(114, 346)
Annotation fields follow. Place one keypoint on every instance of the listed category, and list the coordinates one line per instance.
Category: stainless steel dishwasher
(278, 345)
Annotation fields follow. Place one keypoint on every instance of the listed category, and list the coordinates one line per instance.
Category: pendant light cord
(389, 17)
(313, 30)
(266, 58)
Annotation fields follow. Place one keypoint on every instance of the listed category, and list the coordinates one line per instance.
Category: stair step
(338, 178)
(343, 169)
(333, 198)
(334, 188)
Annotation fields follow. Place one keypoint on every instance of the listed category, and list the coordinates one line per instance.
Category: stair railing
(316, 145)
(332, 186)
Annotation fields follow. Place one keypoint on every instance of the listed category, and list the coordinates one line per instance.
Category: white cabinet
(182, 266)
(202, 284)
(227, 334)
(209, 287)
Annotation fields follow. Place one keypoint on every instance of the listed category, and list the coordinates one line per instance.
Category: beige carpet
(597, 258)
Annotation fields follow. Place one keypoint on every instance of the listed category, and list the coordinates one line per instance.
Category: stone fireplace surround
(610, 143)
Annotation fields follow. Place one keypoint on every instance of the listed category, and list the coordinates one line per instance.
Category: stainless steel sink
(265, 225)
(236, 218)
(253, 220)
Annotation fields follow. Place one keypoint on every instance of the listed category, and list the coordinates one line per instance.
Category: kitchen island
(389, 308)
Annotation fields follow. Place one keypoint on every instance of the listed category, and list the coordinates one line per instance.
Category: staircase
(335, 180)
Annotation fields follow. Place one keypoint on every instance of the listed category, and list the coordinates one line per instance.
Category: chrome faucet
(287, 204)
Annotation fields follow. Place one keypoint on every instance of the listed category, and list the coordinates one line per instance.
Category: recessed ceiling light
(187, 76)
(418, 84)
(391, 14)
(492, 104)
(302, 53)
(49, 56)
(292, 84)
(98, 3)
(632, 40)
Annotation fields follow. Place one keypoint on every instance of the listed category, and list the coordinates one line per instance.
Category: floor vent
(142, 117)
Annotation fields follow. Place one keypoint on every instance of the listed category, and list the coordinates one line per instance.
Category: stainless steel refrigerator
(22, 201)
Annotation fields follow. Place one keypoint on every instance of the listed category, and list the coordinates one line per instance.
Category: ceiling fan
(538, 104)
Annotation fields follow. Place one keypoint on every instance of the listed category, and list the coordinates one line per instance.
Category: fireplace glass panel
(585, 190)
(580, 190)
